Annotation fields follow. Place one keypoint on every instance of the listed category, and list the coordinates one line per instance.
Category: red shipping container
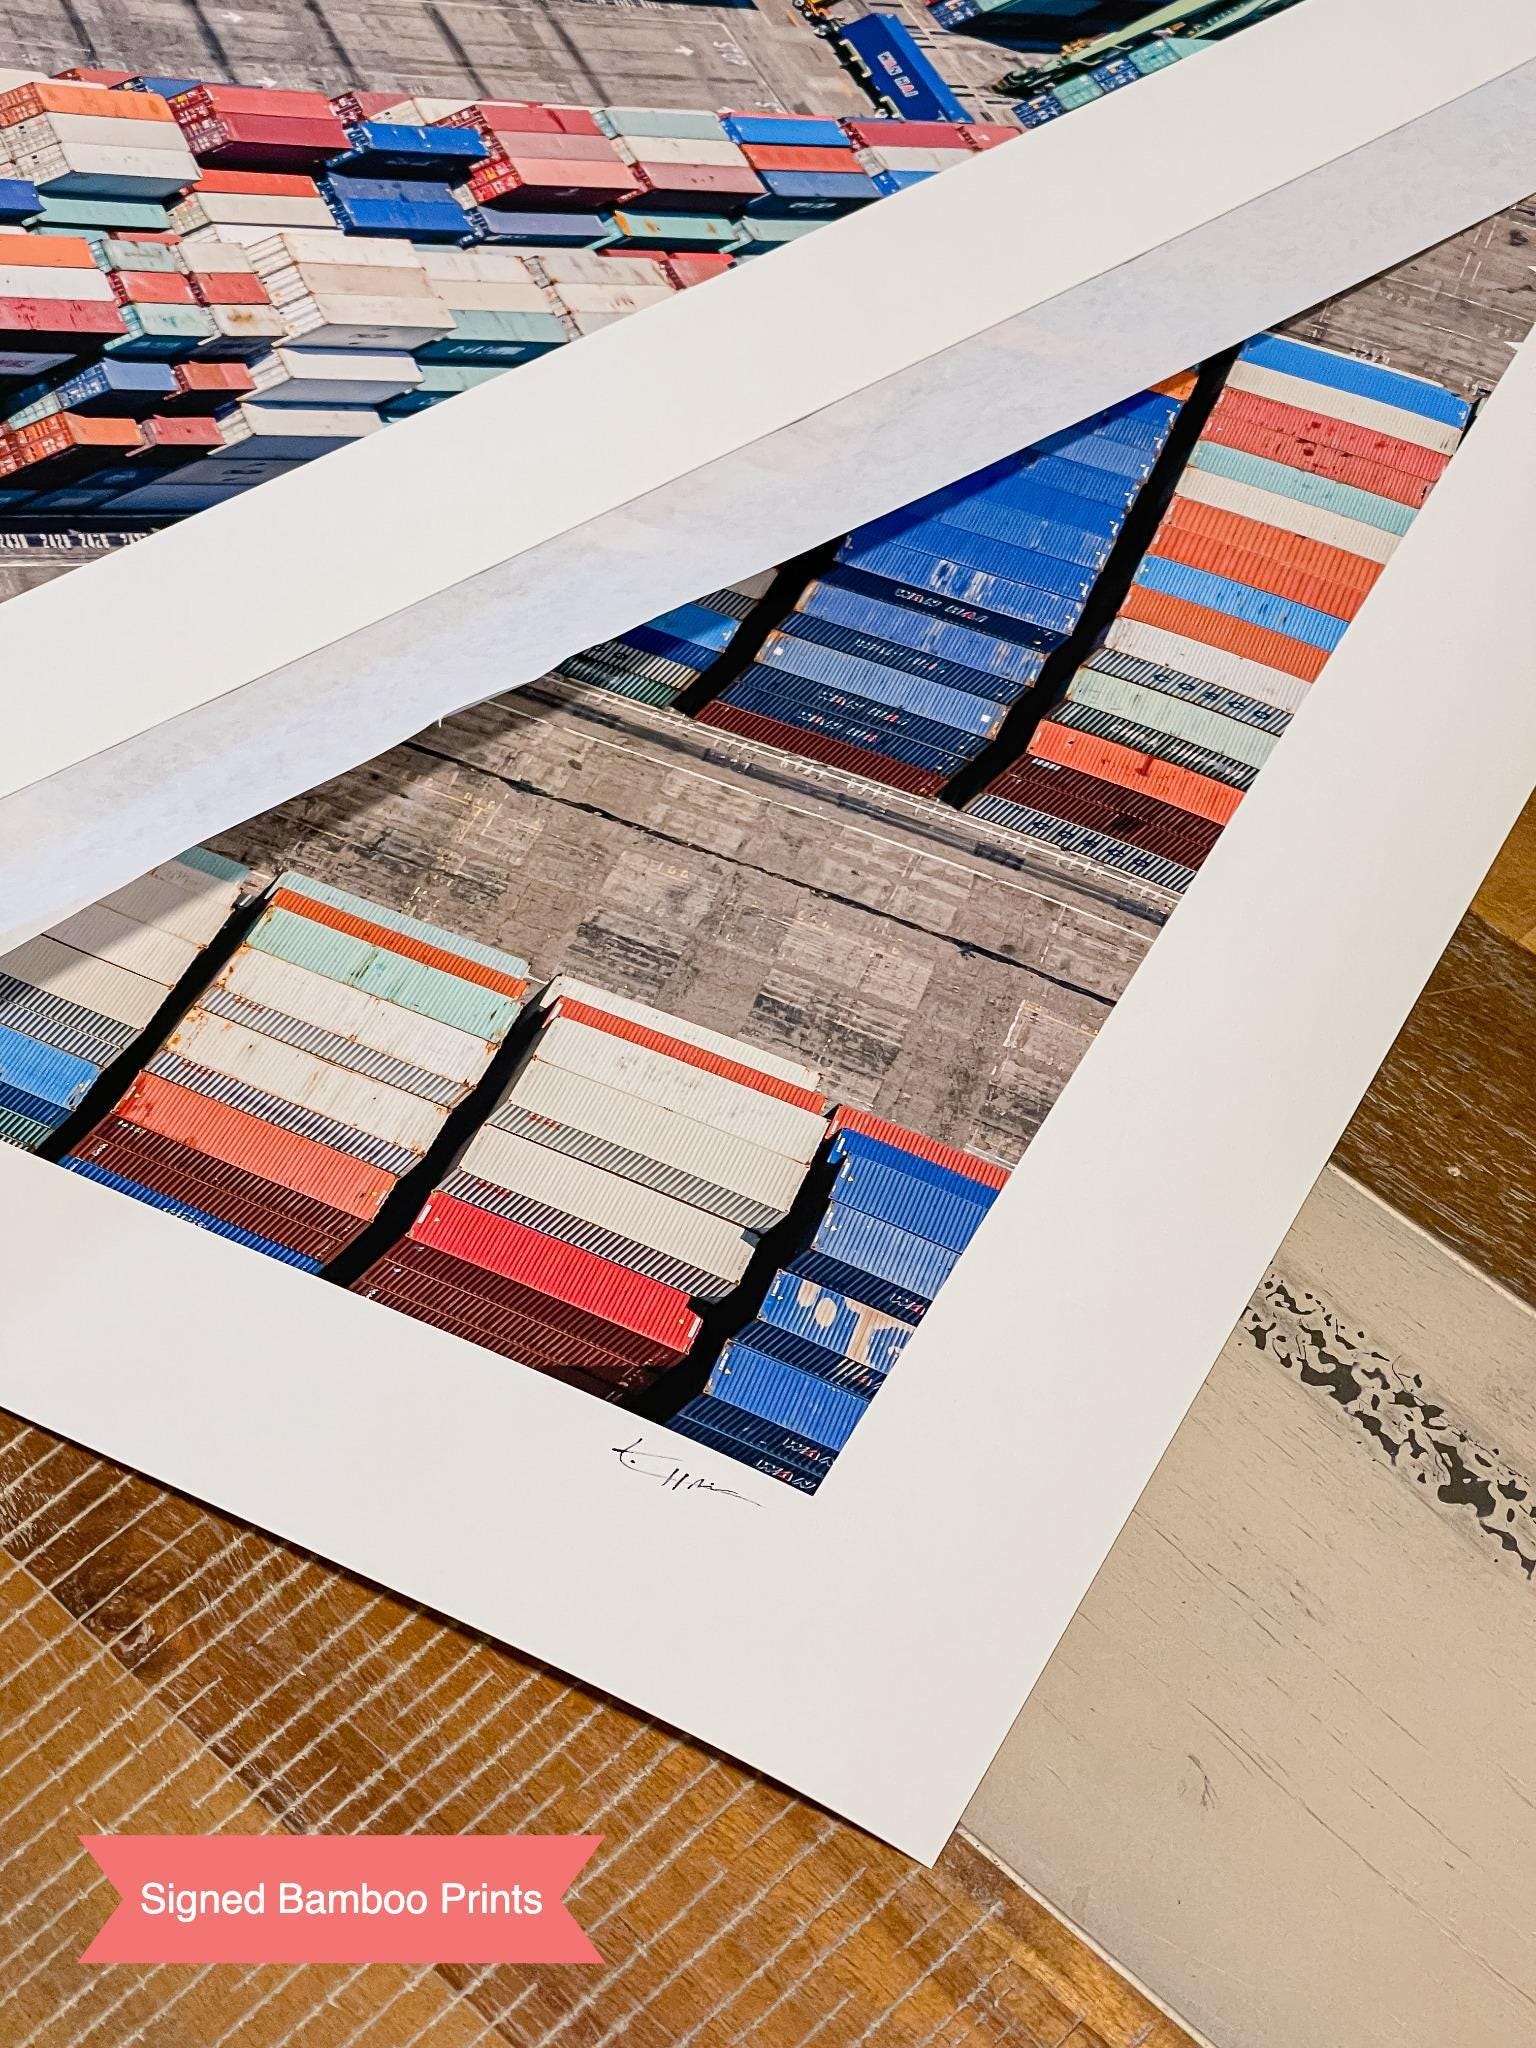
(151, 288)
(906, 135)
(1333, 566)
(689, 1055)
(66, 430)
(1344, 437)
(60, 316)
(578, 1278)
(308, 1227)
(503, 1338)
(1216, 629)
(627, 1347)
(1259, 572)
(208, 387)
(246, 140)
(1201, 795)
(574, 120)
(846, 1118)
(229, 288)
(161, 432)
(687, 188)
(521, 1337)
(390, 940)
(490, 118)
(988, 134)
(89, 77)
(552, 149)
(263, 1149)
(259, 184)
(772, 732)
(1134, 818)
(1315, 460)
(775, 156)
(690, 270)
(530, 181)
(200, 102)
(356, 107)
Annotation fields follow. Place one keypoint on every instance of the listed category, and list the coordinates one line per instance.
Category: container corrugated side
(883, 1249)
(1219, 629)
(847, 1117)
(629, 1252)
(124, 942)
(1124, 856)
(1181, 787)
(431, 935)
(348, 1015)
(1172, 715)
(286, 1116)
(623, 1207)
(201, 1218)
(1348, 373)
(1289, 515)
(1286, 482)
(283, 1070)
(792, 1071)
(38, 1014)
(378, 971)
(841, 1323)
(376, 932)
(1205, 663)
(688, 1053)
(1372, 413)
(781, 1394)
(946, 1216)
(75, 977)
(647, 1142)
(777, 1342)
(689, 1090)
(31, 1067)
(196, 915)
(564, 1271)
(257, 1147)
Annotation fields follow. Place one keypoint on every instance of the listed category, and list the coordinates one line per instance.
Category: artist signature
(664, 1468)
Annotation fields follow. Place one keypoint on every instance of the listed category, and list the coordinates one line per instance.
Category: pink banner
(341, 1898)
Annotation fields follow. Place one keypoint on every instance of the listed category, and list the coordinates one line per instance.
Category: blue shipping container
(899, 71)
(1240, 601)
(782, 1394)
(980, 716)
(945, 1216)
(958, 542)
(932, 622)
(42, 1070)
(890, 1253)
(840, 1324)
(1366, 380)
(933, 668)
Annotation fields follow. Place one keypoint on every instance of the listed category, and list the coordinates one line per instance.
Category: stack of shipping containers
(786, 1394)
(807, 165)
(315, 1071)
(1310, 469)
(626, 1174)
(75, 998)
(901, 662)
(667, 655)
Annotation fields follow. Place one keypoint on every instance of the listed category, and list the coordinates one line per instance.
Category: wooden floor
(166, 1670)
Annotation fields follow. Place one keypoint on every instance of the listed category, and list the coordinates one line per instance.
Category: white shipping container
(657, 1133)
(248, 323)
(386, 252)
(215, 257)
(299, 280)
(134, 174)
(474, 295)
(421, 113)
(251, 210)
(1175, 716)
(195, 915)
(1208, 664)
(75, 977)
(619, 296)
(53, 131)
(352, 321)
(482, 266)
(385, 1027)
(581, 266)
(28, 281)
(341, 1094)
(680, 149)
(728, 1105)
(571, 987)
(1290, 515)
(641, 1214)
(108, 935)
(885, 158)
(296, 376)
(1372, 413)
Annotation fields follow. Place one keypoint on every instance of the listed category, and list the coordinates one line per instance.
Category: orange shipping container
(1345, 437)
(263, 184)
(229, 288)
(1216, 629)
(1256, 537)
(1175, 544)
(48, 252)
(25, 102)
(264, 1149)
(152, 288)
(399, 942)
(1123, 766)
(1180, 387)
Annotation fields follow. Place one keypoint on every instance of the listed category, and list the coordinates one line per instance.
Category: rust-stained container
(1318, 432)
(1175, 543)
(1217, 802)
(707, 1050)
(1295, 552)
(790, 739)
(846, 1117)
(1130, 817)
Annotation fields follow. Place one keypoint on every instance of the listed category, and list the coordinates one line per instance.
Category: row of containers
(202, 286)
(634, 1180)
(901, 661)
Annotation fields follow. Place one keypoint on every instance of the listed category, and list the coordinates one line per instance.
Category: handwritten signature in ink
(664, 1468)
